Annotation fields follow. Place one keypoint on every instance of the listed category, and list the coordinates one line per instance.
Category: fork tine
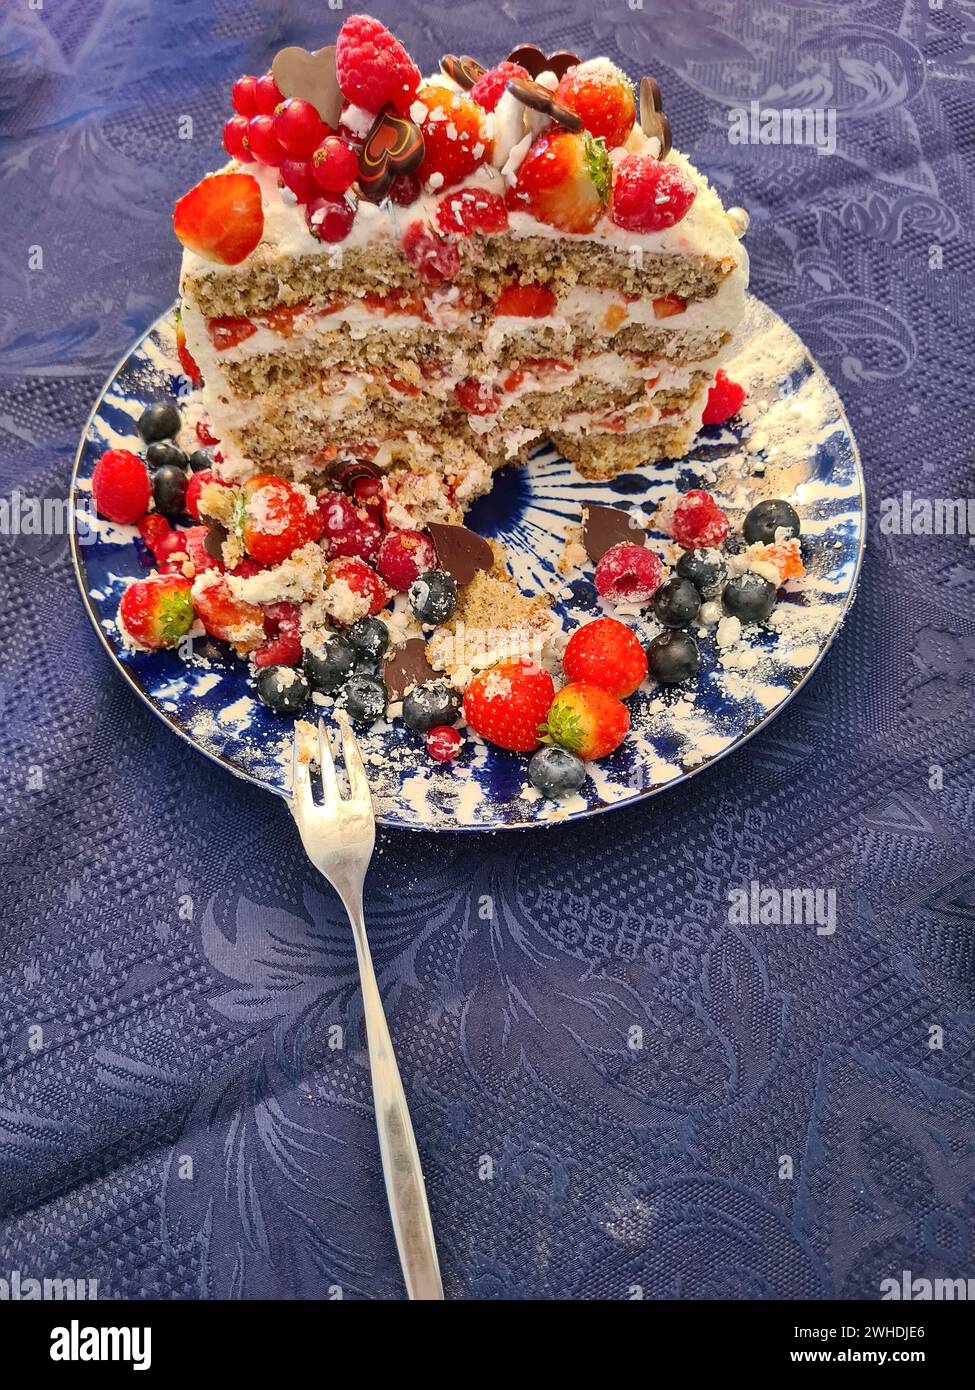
(326, 762)
(300, 779)
(356, 772)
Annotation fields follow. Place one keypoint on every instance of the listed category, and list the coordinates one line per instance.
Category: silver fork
(339, 837)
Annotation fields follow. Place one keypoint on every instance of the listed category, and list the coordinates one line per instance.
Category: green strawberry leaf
(174, 614)
(599, 165)
(563, 728)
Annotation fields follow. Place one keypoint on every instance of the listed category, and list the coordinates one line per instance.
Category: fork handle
(401, 1161)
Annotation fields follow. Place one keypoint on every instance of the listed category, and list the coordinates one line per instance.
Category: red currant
(233, 139)
(368, 492)
(296, 174)
(335, 165)
(330, 216)
(405, 190)
(262, 141)
(266, 95)
(243, 96)
(298, 126)
(443, 743)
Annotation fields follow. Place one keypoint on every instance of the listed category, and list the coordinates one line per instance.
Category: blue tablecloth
(185, 1108)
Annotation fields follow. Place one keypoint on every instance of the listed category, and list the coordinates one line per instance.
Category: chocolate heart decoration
(539, 98)
(393, 146)
(312, 77)
(464, 71)
(653, 122)
(533, 60)
(461, 552)
(604, 527)
(406, 667)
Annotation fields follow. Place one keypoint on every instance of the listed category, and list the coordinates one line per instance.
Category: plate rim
(639, 797)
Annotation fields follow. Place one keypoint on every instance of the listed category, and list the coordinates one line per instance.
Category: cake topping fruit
(433, 597)
(697, 522)
(221, 219)
(604, 527)
(334, 165)
(159, 421)
(158, 611)
(725, 399)
(443, 743)
(373, 67)
(228, 618)
(164, 451)
(676, 603)
(195, 486)
(771, 520)
(267, 96)
(235, 139)
(507, 704)
(403, 557)
(649, 196)
(460, 551)
(298, 127)
(603, 97)
(455, 137)
(564, 181)
(471, 210)
(369, 640)
(587, 720)
(673, 657)
(628, 574)
(433, 257)
(243, 96)
(606, 652)
(361, 581)
(298, 175)
(406, 666)
(120, 487)
(329, 665)
(538, 98)
(749, 597)
(364, 699)
(489, 88)
(311, 76)
(282, 631)
(330, 216)
(283, 689)
(169, 489)
(276, 519)
(427, 706)
(393, 148)
(262, 141)
(556, 772)
(705, 568)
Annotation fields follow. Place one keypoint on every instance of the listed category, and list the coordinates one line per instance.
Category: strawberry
(158, 611)
(476, 397)
(186, 360)
(455, 137)
(526, 301)
(226, 332)
(472, 210)
(606, 653)
(276, 519)
(362, 580)
(231, 619)
(603, 97)
(587, 720)
(507, 704)
(786, 556)
(725, 399)
(221, 219)
(665, 306)
(564, 181)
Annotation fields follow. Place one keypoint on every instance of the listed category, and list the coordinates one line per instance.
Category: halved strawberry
(226, 617)
(564, 180)
(526, 301)
(186, 359)
(603, 97)
(472, 210)
(221, 219)
(276, 519)
(362, 581)
(455, 137)
(156, 612)
(226, 332)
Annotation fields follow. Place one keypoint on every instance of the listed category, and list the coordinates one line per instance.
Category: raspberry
(433, 257)
(120, 487)
(725, 399)
(282, 628)
(472, 210)
(455, 139)
(330, 216)
(234, 133)
(297, 174)
(298, 127)
(698, 523)
(476, 397)
(360, 579)
(443, 743)
(335, 165)
(339, 520)
(628, 574)
(266, 96)
(403, 557)
(489, 88)
(262, 142)
(368, 538)
(373, 67)
(243, 96)
(649, 196)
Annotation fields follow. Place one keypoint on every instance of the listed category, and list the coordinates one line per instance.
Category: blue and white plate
(794, 442)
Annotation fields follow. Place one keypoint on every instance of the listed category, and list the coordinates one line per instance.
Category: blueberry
(164, 453)
(169, 489)
(705, 569)
(199, 460)
(365, 699)
(283, 689)
(369, 640)
(675, 603)
(556, 772)
(673, 657)
(159, 421)
(749, 597)
(770, 516)
(433, 597)
(429, 705)
(329, 666)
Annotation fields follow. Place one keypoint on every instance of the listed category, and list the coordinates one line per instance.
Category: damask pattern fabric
(616, 1089)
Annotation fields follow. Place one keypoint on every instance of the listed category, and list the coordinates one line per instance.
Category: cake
(543, 266)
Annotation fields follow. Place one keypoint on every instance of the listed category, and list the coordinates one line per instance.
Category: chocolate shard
(534, 61)
(464, 71)
(461, 552)
(604, 527)
(539, 98)
(393, 146)
(312, 77)
(653, 122)
(405, 667)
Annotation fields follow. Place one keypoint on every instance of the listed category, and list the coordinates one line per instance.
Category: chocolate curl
(539, 98)
(464, 71)
(653, 122)
(345, 473)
